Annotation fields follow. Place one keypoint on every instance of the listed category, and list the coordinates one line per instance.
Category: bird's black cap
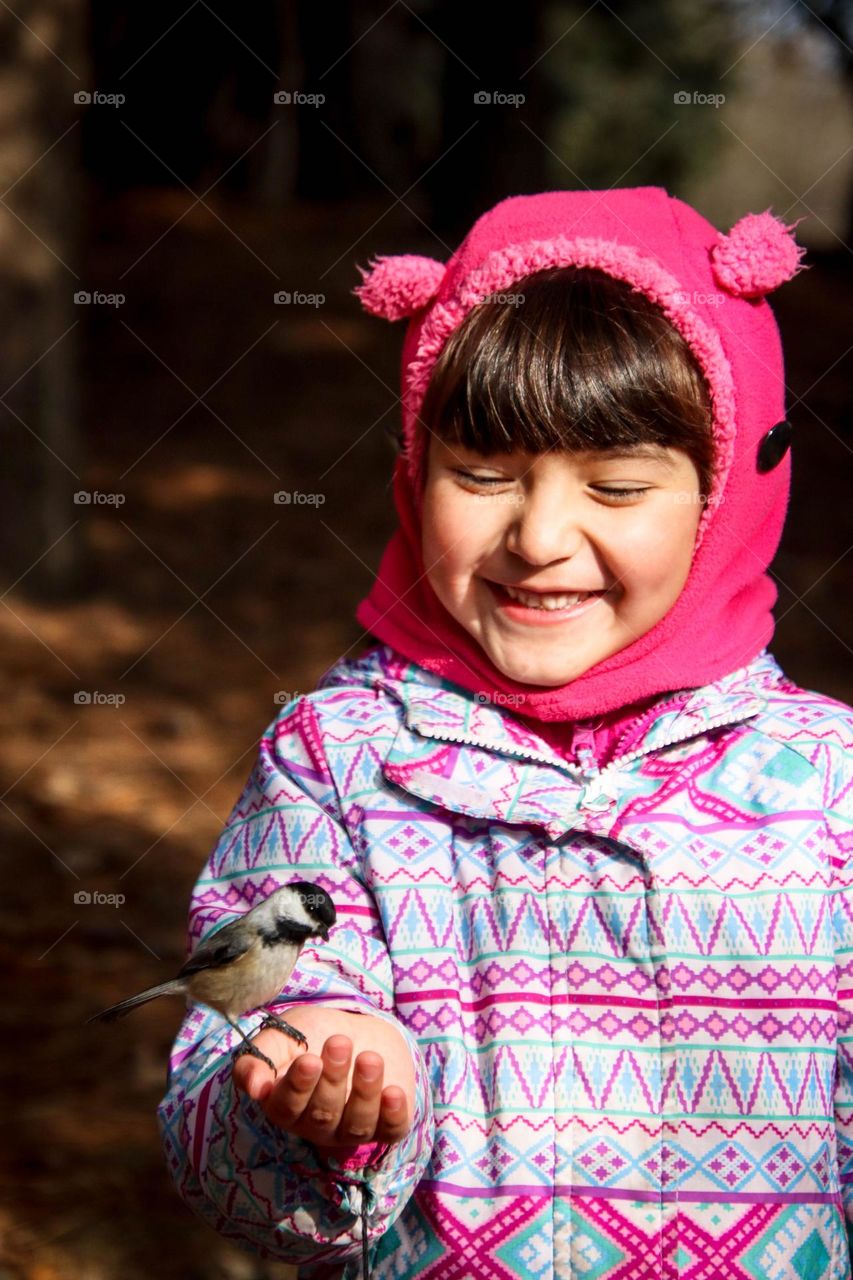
(317, 903)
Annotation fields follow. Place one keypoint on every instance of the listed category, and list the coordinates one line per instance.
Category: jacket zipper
(675, 701)
(481, 742)
(595, 776)
(586, 771)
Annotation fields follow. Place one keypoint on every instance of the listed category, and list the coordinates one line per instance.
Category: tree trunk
(42, 66)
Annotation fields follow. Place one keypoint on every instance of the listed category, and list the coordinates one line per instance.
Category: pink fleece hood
(711, 286)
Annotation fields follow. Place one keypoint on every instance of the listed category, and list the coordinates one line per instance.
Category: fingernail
(371, 1073)
(337, 1054)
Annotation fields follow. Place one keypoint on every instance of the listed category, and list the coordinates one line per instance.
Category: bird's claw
(273, 1020)
(252, 1049)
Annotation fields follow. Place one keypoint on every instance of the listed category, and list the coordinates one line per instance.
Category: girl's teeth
(537, 601)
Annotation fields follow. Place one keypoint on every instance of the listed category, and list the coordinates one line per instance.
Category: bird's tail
(173, 987)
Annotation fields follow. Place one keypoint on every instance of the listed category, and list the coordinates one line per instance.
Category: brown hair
(570, 359)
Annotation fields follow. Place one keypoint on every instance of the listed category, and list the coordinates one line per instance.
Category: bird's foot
(273, 1020)
(248, 1047)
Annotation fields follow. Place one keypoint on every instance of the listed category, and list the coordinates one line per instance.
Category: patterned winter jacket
(627, 991)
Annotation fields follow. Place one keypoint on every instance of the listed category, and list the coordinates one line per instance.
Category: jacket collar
(441, 711)
(458, 750)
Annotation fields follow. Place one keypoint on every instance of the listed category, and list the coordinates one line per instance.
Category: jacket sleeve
(264, 1189)
(840, 819)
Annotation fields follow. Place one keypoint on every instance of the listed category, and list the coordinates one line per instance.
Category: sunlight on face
(618, 530)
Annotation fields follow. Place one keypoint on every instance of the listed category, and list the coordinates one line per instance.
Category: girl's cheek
(434, 520)
(460, 529)
(452, 524)
(655, 534)
(660, 556)
(630, 547)
(440, 529)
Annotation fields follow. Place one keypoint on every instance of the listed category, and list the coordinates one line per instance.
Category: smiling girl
(521, 546)
(586, 1010)
(563, 502)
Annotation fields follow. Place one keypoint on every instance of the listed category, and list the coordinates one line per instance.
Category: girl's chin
(546, 680)
(551, 675)
(551, 663)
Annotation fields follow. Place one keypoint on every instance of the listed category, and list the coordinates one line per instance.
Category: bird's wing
(221, 949)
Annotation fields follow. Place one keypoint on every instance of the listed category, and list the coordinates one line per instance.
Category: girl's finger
(394, 1120)
(361, 1113)
(246, 1078)
(251, 1077)
(285, 1103)
(254, 1077)
(323, 1110)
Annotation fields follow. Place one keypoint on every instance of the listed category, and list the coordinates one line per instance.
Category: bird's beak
(323, 932)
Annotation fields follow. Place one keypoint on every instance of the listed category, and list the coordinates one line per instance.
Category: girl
(585, 1011)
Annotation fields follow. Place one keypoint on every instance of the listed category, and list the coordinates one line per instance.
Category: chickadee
(247, 963)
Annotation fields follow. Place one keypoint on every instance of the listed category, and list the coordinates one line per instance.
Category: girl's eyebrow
(641, 451)
(654, 452)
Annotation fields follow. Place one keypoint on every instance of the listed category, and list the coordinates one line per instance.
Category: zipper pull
(583, 745)
(596, 794)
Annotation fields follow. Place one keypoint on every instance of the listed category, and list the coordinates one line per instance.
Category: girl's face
(594, 548)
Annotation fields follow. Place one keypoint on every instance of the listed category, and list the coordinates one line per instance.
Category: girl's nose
(544, 530)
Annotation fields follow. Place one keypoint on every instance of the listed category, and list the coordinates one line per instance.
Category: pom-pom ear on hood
(398, 286)
(757, 255)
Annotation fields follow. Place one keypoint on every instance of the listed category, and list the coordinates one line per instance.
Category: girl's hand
(354, 1084)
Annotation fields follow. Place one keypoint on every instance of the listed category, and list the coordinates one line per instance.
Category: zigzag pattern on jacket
(627, 992)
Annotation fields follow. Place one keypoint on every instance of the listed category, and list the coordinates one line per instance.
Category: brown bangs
(570, 359)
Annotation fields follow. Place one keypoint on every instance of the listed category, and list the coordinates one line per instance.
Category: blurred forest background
(179, 167)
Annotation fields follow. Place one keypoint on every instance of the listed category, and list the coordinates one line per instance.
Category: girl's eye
(472, 479)
(620, 495)
(615, 494)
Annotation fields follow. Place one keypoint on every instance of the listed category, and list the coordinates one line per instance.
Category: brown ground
(130, 799)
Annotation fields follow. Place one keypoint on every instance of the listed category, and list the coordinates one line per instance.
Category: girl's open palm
(354, 1083)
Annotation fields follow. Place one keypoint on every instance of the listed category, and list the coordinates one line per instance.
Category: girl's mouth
(528, 606)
